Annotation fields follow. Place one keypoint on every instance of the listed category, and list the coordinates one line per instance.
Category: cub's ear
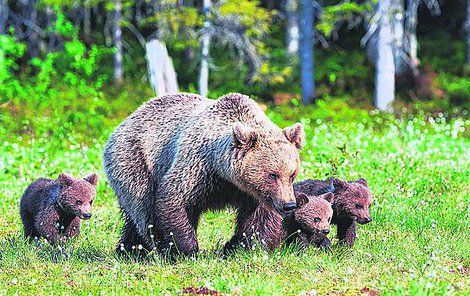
(65, 179)
(329, 197)
(295, 134)
(92, 179)
(301, 199)
(339, 184)
(244, 136)
(362, 181)
(331, 187)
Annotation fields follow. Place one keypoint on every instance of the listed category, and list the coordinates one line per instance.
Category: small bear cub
(53, 208)
(309, 224)
(351, 203)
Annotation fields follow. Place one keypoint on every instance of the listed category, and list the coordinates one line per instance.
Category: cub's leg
(347, 231)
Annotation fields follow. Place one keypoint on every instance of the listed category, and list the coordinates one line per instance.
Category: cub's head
(266, 163)
(353, 199)
(313, 216)
(77, 195)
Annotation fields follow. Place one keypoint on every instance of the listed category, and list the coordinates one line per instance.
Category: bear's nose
(87, 216)
(290, 206)
(326, 231)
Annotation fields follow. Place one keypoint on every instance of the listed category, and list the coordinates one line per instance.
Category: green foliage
(75, 70)
(10, 52)
(335, 14)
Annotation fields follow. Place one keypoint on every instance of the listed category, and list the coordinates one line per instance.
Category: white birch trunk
(385, 67)
(292, 27)
(161, 71)
(205, 46)
(117, 42)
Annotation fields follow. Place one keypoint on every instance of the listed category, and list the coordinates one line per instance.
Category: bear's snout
(364, 220)
(86, 216)
(325, 231)
(290, 206)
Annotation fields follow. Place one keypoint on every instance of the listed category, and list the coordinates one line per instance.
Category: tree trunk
(385, 67)
(410, 41)
(86, 18)
(306, 51)
(292, 36)
(161, 71)
(205, 46)
(33, 35)
(117, 42)
(468, 32)
(3, 16)
(396, 13)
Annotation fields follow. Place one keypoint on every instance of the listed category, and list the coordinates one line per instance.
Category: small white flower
(133, 247)
(152, 236)
(244, 234)
(170, 243)
(122, 248)
(122, 245)
(139, 247)
(14, 281)
(171, 233)
(299, 231)
(150, 226)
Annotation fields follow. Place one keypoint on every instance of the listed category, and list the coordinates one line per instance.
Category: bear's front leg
(346, 231)
(47, 225)
(179, 237)
(73, 229)
(256, 225)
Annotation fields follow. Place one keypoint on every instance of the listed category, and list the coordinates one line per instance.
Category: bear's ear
(362, 181)
(92, 179)
(244, 136)
(331, 187)
(301, 199)
(295, 134)
(339, 184)
(65, 179)
(329, 197)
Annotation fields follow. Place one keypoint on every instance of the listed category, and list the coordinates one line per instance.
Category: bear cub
(53, 208)
(351, 203)
(309, 224)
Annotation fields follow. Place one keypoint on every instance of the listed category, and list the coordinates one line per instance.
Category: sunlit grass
(418, 243)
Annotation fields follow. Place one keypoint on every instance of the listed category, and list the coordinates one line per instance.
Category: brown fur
(180, 155)
(308, 224)
(53, 208)
(351, 204)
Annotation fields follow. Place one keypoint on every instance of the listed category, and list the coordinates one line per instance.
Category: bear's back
(38, 193)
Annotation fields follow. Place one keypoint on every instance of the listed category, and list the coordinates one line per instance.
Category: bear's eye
(359, 206)
(316, 219)
(79, 202)
(273, 177)
(91, 202)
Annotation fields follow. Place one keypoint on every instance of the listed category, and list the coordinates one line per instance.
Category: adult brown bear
(180, 155)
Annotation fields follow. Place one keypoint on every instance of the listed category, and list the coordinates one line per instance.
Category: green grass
(418, 243)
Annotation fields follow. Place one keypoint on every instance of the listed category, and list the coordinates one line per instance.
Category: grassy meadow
(417, 167)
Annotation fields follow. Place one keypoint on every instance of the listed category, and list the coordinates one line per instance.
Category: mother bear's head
(266, 163)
